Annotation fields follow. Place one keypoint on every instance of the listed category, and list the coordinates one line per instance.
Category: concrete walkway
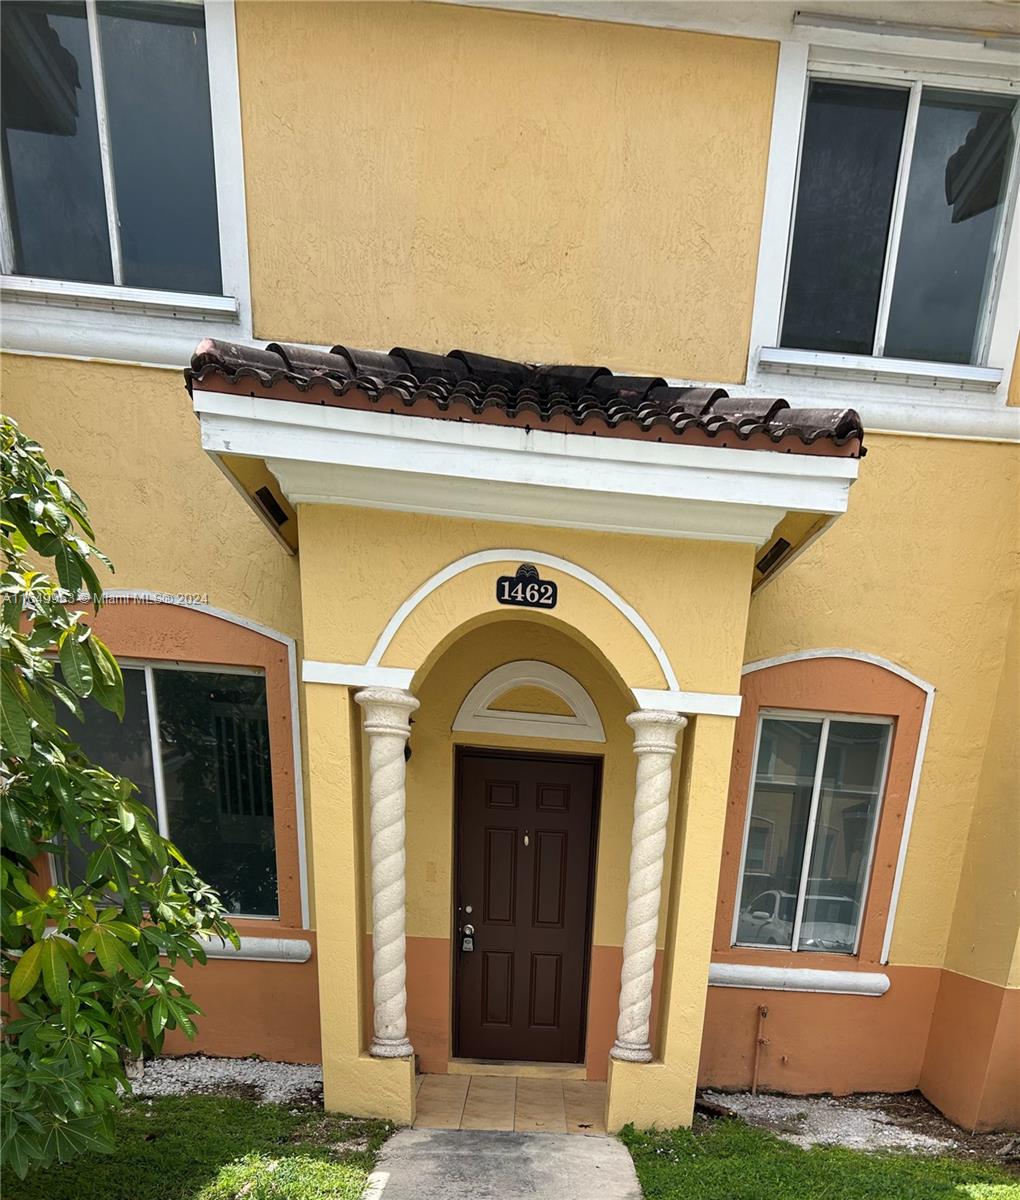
(440, 1164)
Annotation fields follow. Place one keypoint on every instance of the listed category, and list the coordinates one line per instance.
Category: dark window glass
(214, 732)
(780, 807)
(849, 783)
(848, 803)
(849, 161)
(122, 747)
(954, 203)
(157, 93)
(51, 144)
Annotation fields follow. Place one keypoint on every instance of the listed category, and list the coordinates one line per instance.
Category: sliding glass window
(814, 806)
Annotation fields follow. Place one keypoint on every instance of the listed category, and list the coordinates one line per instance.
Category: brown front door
(526, 829)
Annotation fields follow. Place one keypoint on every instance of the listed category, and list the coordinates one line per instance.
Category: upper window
(196, 742)
(898, 222)
(808, 845)
(108, 170)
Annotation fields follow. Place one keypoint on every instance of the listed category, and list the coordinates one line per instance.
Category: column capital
(655, 731)
(386, 710)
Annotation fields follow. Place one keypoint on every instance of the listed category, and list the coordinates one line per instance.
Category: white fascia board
(343, 456)
(798, 979)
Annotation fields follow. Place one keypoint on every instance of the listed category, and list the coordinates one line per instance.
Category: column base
(640, 1052)
(391, 1048)
(648, 1095)
(370, 1087)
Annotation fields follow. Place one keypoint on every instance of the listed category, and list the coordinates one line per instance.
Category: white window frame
(149, 666)
(145, 325)
(899, 395)
(824, 719)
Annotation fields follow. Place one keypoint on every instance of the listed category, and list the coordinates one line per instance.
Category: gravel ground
(826, 1121)
(250, 1078)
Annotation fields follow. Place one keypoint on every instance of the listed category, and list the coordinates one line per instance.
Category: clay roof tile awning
(465, 386)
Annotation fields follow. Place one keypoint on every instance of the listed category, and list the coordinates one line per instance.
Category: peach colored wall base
(821, 1043)
(265, 1008)
(972, 1068)
(429, 1002)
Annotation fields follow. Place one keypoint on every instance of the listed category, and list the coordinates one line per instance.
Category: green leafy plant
(87, 963)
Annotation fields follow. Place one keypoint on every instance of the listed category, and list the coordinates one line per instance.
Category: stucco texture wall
(359, 565)
(923, 571)
(985, 935)
(401, 130)
(128, 441)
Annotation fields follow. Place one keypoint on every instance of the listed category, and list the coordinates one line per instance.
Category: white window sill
(821, 364)
(798, 979)
(101, 297)
(119, 324)
(891, 395)
(259, 949)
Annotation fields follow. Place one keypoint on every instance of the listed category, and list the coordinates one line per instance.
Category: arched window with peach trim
(210, 738)
(826, 763)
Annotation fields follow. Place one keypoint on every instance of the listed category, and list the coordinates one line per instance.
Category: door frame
(462, 751)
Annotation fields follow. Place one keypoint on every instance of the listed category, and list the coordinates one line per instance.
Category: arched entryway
(391, 712)
(433, 919)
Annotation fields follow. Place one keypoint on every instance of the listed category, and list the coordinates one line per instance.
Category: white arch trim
(922, 743)
(483, 557)
(475, 715)
(149, 597)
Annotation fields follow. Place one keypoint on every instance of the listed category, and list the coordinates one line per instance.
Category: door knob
(467, 941)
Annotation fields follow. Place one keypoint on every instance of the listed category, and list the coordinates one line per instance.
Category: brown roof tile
(570, 399)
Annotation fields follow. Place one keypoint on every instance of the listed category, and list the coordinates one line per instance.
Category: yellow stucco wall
(128, 440)
(662, 1092)
(985, 935)
(444, 168)
(380, 1087)
(358, 566)
(920, 571)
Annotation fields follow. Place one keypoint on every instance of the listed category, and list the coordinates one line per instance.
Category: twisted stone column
(387, 714)
(655, 736)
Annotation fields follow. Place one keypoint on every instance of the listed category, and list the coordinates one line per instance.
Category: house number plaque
(525, 589)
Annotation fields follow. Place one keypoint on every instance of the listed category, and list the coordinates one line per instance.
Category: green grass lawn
(212, 1148)
(727, 1160)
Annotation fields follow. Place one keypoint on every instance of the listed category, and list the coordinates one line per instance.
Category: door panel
(525, 864)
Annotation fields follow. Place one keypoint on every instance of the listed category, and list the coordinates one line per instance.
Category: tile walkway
(519, 1105)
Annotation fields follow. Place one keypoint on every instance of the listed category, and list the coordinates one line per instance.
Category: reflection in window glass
(954, 202)
(216, 767)
(157, 91)
(847, 810)
(780, 805)
(52, 168)
(849, 161)
(787, 777)
(122, 747)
